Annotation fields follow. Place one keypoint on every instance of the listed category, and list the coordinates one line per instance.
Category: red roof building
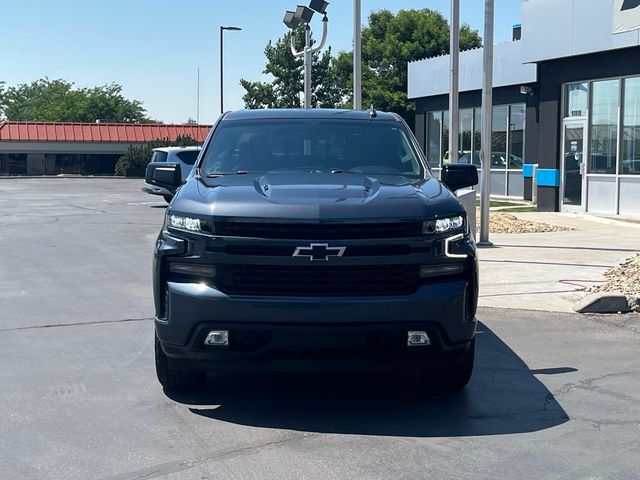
(53, 148)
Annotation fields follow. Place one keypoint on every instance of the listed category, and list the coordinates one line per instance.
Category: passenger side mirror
(167, 175)
(459, 175)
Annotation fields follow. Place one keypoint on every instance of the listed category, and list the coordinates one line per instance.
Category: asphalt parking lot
(554, 395)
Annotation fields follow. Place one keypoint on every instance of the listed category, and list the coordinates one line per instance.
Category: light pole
(292, 20)
(487, 118)
(454, 48)
(357, 55)
(222, 29)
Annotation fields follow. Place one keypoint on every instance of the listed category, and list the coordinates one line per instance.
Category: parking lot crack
(75, 324)
(589, 385)
(158, 471)
(99, 210)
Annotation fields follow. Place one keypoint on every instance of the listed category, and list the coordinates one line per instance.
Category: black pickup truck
(314, 240)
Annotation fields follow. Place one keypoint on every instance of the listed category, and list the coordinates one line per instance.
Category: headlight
(184, 223)
(189, 224)
(442, 225)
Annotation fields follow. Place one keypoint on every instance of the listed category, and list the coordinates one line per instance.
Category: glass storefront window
(604, 126)
(444, 156)
(466, 126)
(508, 147)
(477, 136)
(630, 161)
(576, 99)
(499, 137)
(434, 123)
(516, 136)
(13, 164)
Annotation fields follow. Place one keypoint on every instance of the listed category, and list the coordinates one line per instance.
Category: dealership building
(566, 107)
(54, 148)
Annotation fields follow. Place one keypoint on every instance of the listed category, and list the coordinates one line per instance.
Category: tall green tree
(389, 43)
(59, 101)
(284, 91)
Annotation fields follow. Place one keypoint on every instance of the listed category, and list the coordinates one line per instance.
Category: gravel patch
(505, 223)
(625, 279)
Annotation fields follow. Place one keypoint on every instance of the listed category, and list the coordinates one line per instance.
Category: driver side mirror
(459, 175)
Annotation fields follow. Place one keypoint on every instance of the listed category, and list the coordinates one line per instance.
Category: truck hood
(315, 197)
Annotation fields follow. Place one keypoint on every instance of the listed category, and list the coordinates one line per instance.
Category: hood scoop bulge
(342, 189)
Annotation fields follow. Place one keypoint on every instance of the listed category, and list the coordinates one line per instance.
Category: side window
(159, 157)
(188, 157)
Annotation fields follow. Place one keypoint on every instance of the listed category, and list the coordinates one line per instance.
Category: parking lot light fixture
(292, 20)
(319, 6)
(304, 14)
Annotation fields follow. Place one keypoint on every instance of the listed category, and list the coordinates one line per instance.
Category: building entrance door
(574, 152)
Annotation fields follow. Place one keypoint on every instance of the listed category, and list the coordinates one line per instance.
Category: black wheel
(167, 198)
(454, 377)
(175, 379)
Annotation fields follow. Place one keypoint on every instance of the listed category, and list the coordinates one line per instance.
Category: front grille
(351, 251)
(300, 231)
(322, 281)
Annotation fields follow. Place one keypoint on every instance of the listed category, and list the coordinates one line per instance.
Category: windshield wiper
(220, 174)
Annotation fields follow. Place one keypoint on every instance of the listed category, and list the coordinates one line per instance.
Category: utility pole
(221, 69)
(454, 56)
(222, 30)
(357, 54)
(198, 99)
(487, 120)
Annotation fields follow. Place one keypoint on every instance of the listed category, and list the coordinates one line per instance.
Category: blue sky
(154, 47)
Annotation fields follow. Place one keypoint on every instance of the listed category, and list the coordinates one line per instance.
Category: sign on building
(626, 15)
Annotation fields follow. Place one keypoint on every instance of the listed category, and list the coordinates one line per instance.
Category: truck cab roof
(312, 113)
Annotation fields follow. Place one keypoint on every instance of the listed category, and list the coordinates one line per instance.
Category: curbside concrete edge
(603, 302)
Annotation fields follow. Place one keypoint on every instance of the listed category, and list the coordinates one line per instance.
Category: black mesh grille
(316, 280)
(299, 231)
(351, 251)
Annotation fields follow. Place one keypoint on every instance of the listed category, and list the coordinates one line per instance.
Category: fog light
(418, 338)
(195, 269)
(219, 338)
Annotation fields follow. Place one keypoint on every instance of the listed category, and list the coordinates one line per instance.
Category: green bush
(134, 162)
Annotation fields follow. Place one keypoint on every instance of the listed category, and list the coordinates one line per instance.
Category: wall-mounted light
(524, 90)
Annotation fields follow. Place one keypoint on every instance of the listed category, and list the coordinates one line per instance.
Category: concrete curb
(603, 302)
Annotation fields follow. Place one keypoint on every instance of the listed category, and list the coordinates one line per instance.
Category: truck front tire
(454, 377)
(171, 378)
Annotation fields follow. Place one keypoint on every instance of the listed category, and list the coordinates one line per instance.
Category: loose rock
(625, 278)
(507, 223)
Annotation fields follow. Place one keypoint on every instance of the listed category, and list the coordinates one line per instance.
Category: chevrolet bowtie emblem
(319, 252)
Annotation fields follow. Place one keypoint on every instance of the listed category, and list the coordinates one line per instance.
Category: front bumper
(275, 334)
(155, 190)
(284, 333)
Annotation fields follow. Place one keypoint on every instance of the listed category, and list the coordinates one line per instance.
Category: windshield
(311, 146)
